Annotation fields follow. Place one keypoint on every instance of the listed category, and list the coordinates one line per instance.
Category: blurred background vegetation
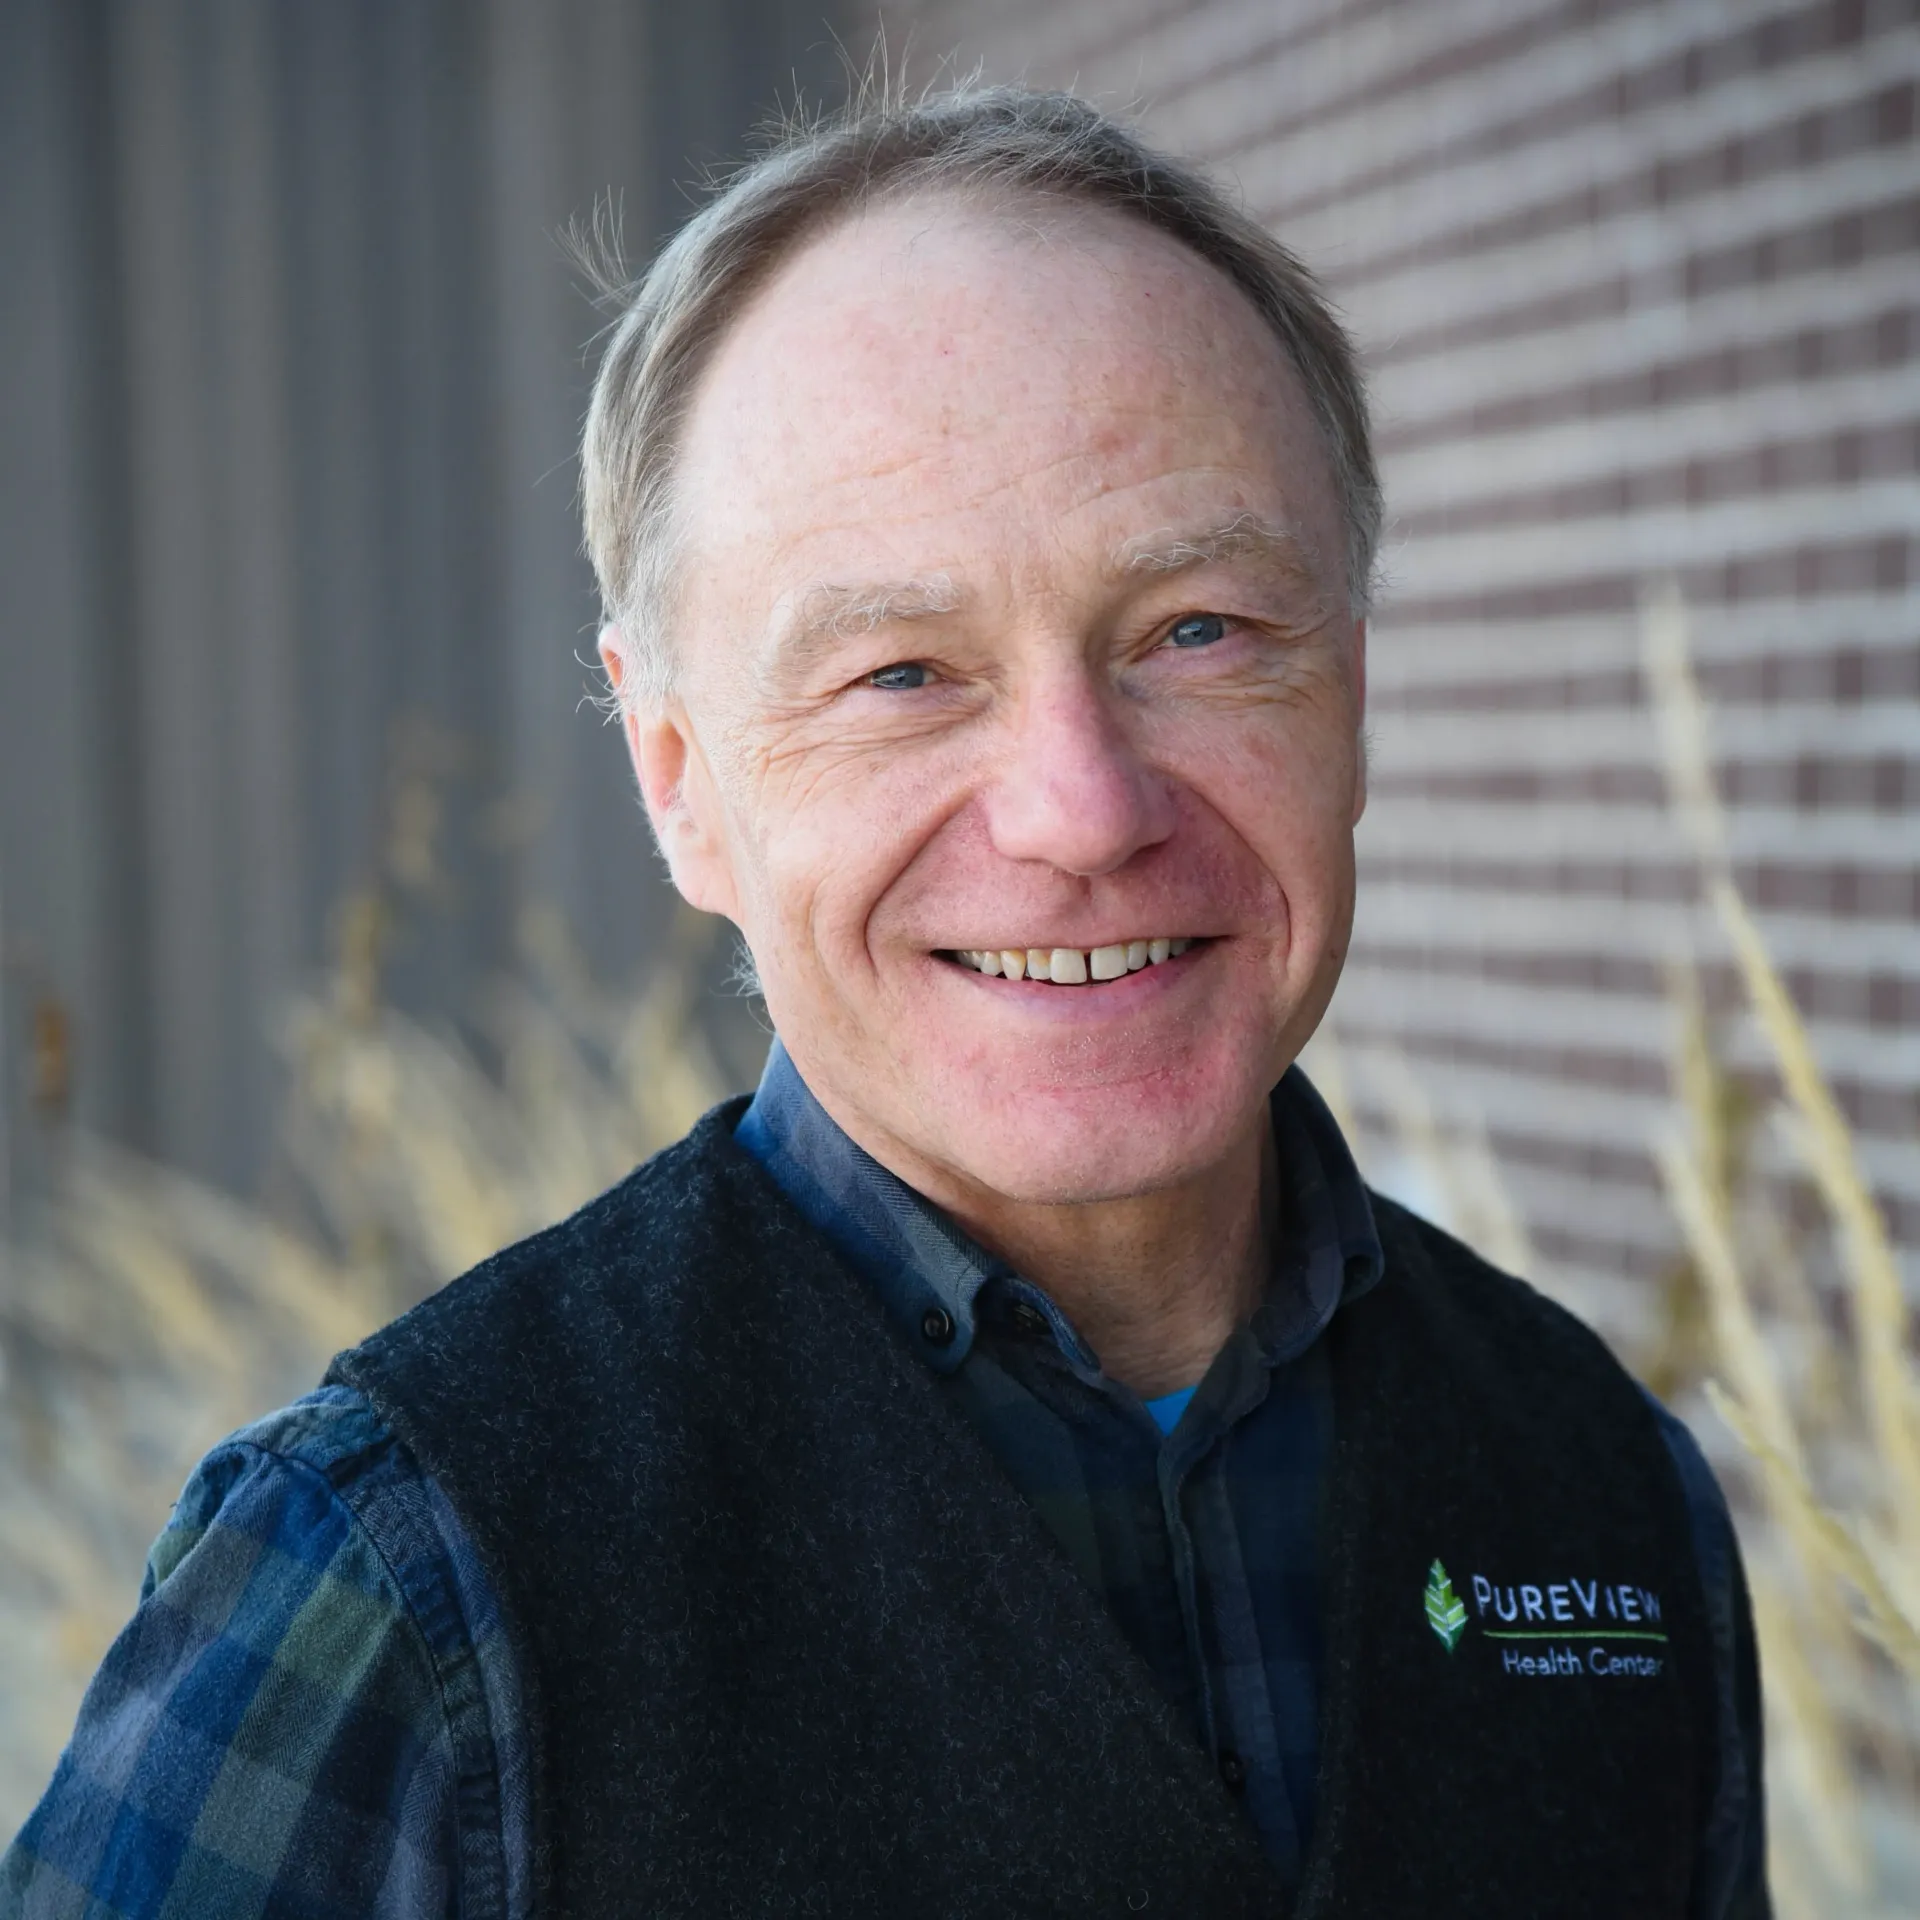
(332, 951)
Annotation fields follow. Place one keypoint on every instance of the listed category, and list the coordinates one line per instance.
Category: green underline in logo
(1579, 1634)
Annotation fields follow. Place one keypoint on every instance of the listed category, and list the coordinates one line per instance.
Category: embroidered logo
(1445, 1613)
(1549, 1628)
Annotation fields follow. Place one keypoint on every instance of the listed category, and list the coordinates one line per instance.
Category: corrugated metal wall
(291, 369)
(1639, 285)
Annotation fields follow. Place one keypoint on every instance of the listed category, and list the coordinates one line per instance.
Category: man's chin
(1082, 1152)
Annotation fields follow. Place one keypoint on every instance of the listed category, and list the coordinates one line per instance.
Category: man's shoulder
(332, 1432)
(620, 1257)
(1530, 1346)
(653, 1313)
(324, 1484)
(1439, 1275)
(310, 1478)
(1516, 1361)
(678, 1197)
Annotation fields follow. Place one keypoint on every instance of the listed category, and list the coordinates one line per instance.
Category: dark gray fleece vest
(792, 1644)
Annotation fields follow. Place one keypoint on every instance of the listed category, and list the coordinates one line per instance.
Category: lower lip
(1094, 1000)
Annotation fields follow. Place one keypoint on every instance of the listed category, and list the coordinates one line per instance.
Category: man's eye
(1197, 630)
(903, 677)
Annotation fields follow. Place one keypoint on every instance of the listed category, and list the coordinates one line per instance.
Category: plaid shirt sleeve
(314, 1711)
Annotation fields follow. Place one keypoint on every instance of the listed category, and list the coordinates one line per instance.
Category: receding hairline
(1022, 212)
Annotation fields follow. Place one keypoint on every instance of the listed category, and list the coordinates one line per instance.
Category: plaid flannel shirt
(315, 1712)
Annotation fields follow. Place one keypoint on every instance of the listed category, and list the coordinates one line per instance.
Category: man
(1012, 1465)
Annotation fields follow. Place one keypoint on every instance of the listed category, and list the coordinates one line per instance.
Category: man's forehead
(878, 445)
(916, 325)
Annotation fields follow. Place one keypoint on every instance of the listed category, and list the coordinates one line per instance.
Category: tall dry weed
(1820, 1388)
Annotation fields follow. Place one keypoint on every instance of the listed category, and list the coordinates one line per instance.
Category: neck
(1157, 1282)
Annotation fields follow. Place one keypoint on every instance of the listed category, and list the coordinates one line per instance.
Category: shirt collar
(928, 1273)
(917, 1260)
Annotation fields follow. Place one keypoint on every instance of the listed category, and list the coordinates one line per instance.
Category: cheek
(1287, 781)
(832, 831)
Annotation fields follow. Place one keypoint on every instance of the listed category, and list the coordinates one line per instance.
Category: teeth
(1071, 966)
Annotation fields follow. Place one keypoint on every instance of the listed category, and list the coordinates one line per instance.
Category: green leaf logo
(1445, 1614)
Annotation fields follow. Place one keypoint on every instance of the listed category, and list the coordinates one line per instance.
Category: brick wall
(1639, 286)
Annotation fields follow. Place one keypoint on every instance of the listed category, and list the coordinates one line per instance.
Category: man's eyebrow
(1245, 536)
(833, 611)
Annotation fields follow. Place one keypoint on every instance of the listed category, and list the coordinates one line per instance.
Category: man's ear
(1363, 745)
(676, 787)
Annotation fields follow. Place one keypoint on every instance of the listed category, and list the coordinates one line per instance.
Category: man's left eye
(903, 676)
(1197, 630)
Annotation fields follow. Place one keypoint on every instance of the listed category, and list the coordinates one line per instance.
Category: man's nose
(1073, 789)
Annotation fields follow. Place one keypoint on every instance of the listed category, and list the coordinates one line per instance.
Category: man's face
(1013, 619)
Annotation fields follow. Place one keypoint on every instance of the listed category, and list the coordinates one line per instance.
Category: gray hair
(884, 146)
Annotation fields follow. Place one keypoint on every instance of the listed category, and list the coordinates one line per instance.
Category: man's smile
(1070, 966)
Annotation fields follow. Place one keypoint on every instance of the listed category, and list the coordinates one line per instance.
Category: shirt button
(936, 1326)
(1233, 1770)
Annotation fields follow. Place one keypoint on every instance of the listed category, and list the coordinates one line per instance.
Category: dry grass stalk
(1834, 1541)
(1837, 1594)
(1880, 1316)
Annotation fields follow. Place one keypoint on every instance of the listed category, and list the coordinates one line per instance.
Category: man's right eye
(903, 677)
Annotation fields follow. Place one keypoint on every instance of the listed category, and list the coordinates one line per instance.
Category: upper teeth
(1071, 966)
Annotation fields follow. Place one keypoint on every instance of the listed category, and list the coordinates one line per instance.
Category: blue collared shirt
(315, 1708)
